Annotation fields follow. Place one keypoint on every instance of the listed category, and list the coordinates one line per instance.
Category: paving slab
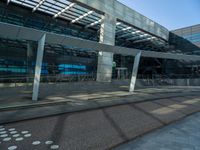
(131, 121)
(190, 101)
(163, 113)
(184, 107)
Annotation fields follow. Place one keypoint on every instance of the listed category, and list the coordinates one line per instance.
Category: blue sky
(172, 14)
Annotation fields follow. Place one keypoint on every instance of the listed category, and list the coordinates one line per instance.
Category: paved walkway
(28, 110)
(103, 128)
(62, 92)
(183, 135)
(84, 92)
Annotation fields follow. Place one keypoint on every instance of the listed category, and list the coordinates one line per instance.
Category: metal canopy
(75, 13)
(131, 34)
(22, 33)
(63, 9)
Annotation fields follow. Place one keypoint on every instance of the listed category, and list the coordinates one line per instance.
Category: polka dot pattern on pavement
(24, 132)
(54, 147)
(12, 147)
(19, 139)
(27, 135)
(6, 139)
(11, 136)
(48, 142)
(36, 142)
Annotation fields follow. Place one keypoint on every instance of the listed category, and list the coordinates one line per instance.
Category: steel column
(38, 67)
(135, 71)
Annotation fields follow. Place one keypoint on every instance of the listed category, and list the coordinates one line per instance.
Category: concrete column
(38, 67)
(188, 82)
(30, 52)
(105, 59)
(135, 71)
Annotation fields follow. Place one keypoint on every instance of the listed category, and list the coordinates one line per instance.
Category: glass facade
(187, 41)
(191, 34)
(67, 62)
(59, 63)
(194, 38)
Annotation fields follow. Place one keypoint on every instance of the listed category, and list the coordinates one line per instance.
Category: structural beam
(118, 23)
(124, 29)
(128, 34)
(8, 1)
(38, 5)
(38, 67)
(9, 31)
(138, 37)
(64, 10)
(94, 23)
(135, 71)
(144, 40)
(83, 16)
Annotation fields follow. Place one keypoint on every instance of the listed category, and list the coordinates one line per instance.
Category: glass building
(92, 22)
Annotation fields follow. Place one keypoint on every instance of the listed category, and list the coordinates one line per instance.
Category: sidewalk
(62, 92)
(103, 127)
(91, 95)
(183, 135)
(85, 92)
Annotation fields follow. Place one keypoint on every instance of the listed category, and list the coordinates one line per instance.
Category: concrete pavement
(103, 128)
(183, 135)
(85, 91)
(28, 110)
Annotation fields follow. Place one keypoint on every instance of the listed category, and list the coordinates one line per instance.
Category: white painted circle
(4, 135)
(12, 147)
(16, 135)
(6, 139)
(19, 139)
(24, 132)
(48, 142)
(11, 129)
(2, 129)
(36, 142)
(13, 132)
(27, 135)
(54, 146)
(3, 132)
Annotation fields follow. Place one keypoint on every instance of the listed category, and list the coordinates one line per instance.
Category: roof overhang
(15, 32)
